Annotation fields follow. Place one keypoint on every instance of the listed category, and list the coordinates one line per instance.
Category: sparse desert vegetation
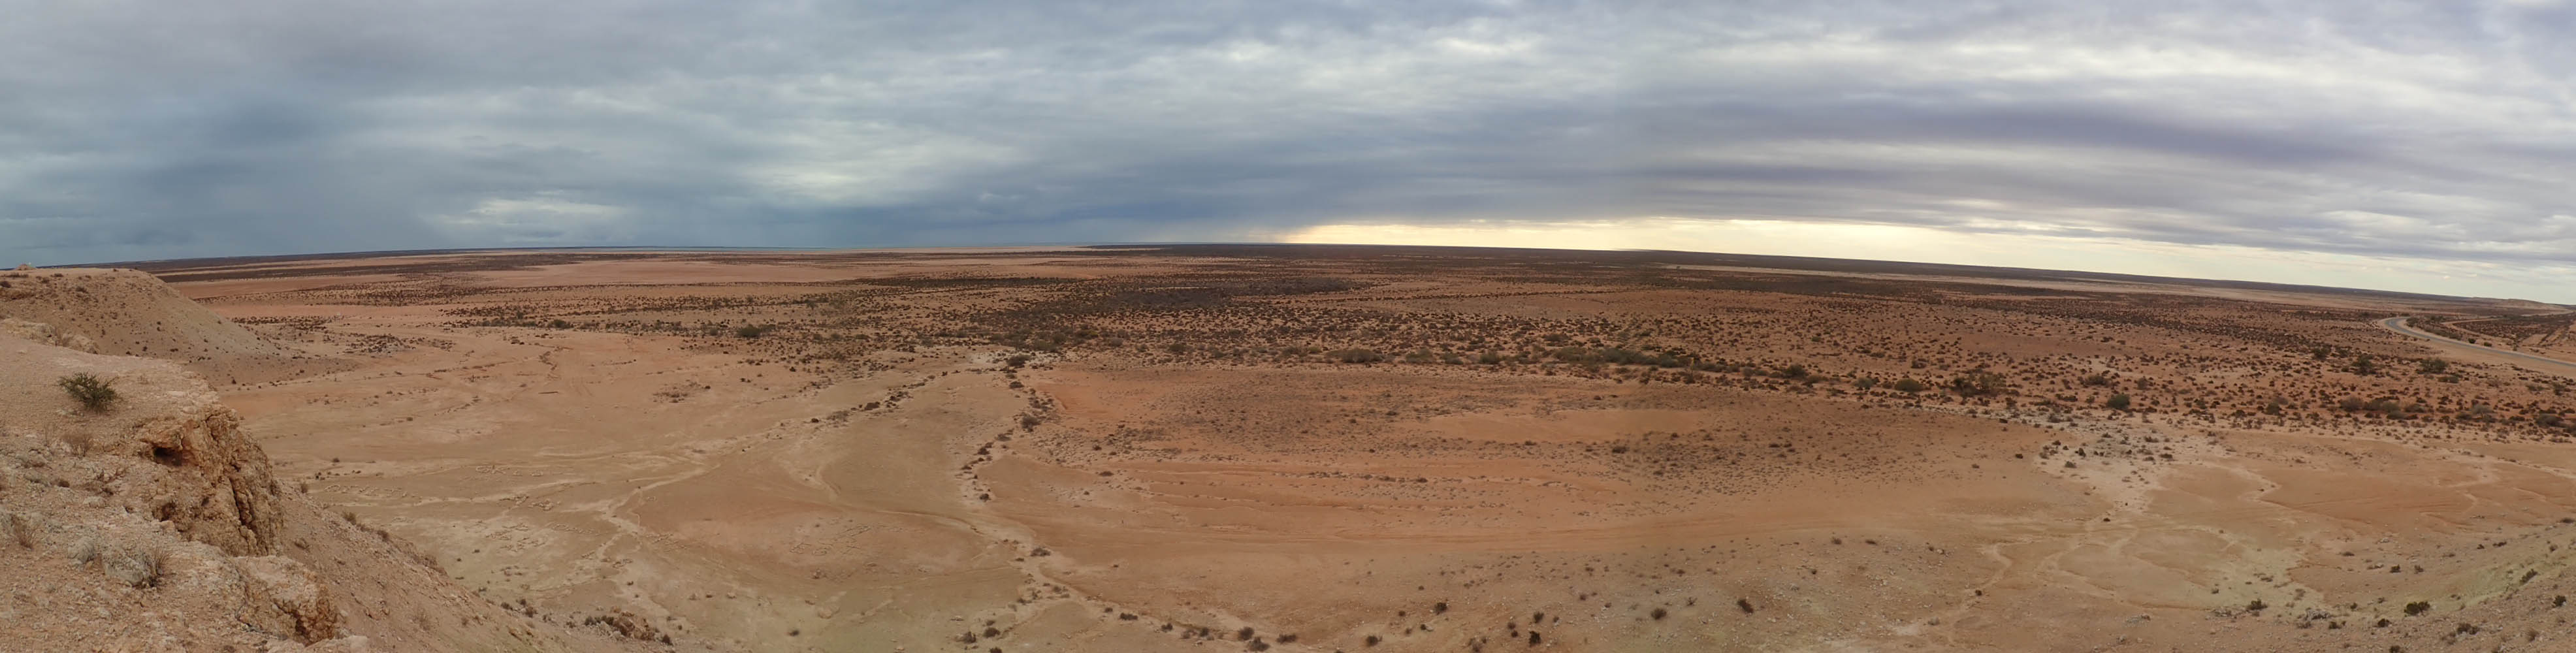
(93, 393)
(1328, 448)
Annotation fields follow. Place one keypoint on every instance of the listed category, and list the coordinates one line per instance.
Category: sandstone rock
(214, 485)
(45, 333)
(287, 599)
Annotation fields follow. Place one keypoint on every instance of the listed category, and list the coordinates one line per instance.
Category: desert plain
(1348, 448)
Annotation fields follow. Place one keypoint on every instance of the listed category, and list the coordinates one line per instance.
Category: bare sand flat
(1354, 448)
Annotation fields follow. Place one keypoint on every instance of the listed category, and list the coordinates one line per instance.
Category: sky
(2426, 147)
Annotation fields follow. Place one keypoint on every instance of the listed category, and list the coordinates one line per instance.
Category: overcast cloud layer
(135, 130)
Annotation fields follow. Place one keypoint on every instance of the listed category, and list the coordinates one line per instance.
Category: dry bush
(85, 550)
(1979, 383)
(93, 393)
(1356, 356)
(138, 567)
(17, 528)
(79, 441)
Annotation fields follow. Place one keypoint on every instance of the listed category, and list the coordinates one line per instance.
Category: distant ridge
(170, 269)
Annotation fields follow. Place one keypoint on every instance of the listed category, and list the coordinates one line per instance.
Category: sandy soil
(1321, 449)
(150, 520)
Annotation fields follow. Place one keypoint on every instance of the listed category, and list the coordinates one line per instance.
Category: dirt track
(2536, 362)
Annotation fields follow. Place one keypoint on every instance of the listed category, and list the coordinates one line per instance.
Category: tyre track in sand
(2537, 363)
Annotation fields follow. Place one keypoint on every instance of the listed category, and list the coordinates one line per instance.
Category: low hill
(130, 313)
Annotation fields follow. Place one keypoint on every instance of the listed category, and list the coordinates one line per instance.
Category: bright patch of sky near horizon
(2410, 146)
(1924, 245)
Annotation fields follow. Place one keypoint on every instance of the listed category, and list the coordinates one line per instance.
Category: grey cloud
(265, 126)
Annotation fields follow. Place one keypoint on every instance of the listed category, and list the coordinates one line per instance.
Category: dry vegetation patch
(1345, 448)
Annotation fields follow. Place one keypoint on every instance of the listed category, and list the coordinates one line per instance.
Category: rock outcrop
(152, 522)
(215, 486)
(166, 448)
(45, 333)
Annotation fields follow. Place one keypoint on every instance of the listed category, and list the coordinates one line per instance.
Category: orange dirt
(1121, 449)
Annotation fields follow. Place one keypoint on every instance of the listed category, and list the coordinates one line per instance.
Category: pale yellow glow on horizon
(1929, 245)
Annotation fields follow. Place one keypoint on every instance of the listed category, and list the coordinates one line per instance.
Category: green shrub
(2117, 402)
(92, 392)
(753, 331)
(1910, 386)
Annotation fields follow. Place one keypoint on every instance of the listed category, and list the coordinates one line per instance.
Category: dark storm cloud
(148, 130)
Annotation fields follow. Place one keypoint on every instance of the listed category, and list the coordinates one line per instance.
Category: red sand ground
(1417, 449)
